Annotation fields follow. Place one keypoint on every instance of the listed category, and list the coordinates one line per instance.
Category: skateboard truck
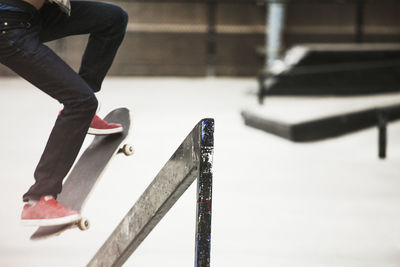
(83, 224)
(126, 149)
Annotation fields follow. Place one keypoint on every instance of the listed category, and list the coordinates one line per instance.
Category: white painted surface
(275, 203)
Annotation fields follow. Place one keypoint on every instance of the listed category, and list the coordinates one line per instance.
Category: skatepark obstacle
(193, 159)
(333, 70)
(330, 126)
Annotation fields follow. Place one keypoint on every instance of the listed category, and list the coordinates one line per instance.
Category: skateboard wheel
(127, 150)
(84, 224)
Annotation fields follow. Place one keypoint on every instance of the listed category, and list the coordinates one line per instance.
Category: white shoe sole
(94, 131)
(51, 222)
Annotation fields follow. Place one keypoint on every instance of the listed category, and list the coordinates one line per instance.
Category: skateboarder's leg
(106, 26)
(22, 51)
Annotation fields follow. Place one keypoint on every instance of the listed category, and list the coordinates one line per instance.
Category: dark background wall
(170, 39)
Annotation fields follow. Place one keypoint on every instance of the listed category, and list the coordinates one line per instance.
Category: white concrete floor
(275, 203)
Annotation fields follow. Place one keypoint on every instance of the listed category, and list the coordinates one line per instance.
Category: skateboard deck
(87, 171)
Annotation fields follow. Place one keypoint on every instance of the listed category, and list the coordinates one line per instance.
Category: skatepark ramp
(193, 159)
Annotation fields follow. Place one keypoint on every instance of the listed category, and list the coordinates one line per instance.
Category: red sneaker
(101, 127)
(46, 212)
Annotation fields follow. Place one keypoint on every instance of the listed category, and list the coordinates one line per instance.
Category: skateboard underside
(88, 170)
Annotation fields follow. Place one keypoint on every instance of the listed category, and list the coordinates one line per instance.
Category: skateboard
(87, 172)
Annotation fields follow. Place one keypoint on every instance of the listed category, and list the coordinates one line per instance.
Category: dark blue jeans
(23, 51)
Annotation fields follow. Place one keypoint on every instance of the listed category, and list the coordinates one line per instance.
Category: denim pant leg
(22, 51)
(106, 26)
